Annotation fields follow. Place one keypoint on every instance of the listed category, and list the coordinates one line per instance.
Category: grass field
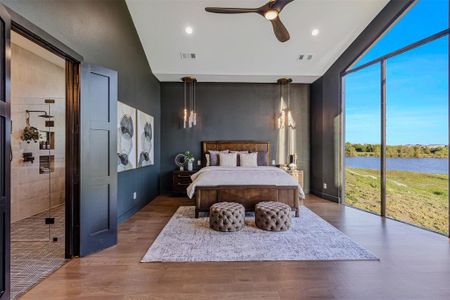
(416, 198)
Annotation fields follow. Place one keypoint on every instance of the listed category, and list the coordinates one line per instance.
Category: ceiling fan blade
(230, 10)
(280, 31)
(280, 4)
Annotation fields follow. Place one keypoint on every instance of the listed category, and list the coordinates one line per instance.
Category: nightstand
(181, 180)
(298, 175)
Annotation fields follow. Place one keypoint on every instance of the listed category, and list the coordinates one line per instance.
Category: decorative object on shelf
(29, 133)
(293, 161)
(189, 109)
(28, 157)
(180, 161)
(145, 139)
(126, 137)
(284, 117)
(190, 160)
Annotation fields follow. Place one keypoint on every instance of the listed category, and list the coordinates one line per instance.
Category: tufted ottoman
(273, 216)
(227, 216)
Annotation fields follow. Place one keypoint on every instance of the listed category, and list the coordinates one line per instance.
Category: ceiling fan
(270, 11)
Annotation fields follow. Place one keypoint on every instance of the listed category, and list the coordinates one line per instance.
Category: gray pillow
(263, 158)
(214, 157)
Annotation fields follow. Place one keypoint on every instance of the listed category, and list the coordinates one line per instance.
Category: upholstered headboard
(251, 146)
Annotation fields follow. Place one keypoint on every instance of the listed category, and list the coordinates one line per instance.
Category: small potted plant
(190, 160)
(29, 134)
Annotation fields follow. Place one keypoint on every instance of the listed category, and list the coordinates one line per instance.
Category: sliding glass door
(362, 139)
(417, 136)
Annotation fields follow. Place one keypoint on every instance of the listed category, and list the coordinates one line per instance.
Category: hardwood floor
(415, 264)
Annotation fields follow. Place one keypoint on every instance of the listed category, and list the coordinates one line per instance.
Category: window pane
(362, 137)
(424, 19)
(417, 136)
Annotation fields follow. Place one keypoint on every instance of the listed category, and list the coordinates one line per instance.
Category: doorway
(38, 163)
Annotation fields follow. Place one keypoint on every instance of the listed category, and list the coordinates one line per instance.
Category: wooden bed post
(197, 196)
(296, 203)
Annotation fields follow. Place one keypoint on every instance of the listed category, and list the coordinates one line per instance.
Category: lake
(420, 165)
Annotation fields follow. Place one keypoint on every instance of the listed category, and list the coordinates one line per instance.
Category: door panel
(362, 139)
(98, 203)
(5, 152)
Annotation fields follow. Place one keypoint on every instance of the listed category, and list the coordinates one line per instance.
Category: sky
(416, 83)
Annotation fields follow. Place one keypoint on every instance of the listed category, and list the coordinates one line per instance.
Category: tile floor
(34, 255)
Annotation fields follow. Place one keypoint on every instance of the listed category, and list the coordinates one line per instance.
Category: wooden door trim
(72, 195)
(5, 107)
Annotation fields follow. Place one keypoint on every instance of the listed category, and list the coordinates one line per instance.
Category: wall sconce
(189, 110)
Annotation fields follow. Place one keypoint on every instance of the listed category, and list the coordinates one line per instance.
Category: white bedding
(215, 176)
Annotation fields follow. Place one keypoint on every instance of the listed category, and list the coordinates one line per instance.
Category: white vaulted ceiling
(243, 48)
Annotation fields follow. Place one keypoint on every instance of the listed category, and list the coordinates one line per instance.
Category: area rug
(186, 239)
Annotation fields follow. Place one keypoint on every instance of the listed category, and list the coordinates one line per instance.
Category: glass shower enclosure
(38, 173)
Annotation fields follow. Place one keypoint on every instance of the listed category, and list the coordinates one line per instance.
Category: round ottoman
(273, 216)
(227, 216)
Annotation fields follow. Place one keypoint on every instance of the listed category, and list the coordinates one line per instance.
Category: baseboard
(325, 196)
(129, 213)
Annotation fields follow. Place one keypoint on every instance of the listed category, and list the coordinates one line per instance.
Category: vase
(190, 165)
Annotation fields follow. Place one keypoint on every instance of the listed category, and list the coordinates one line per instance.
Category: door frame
(73, 60)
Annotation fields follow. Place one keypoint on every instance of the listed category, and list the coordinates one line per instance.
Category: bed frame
(247, 195)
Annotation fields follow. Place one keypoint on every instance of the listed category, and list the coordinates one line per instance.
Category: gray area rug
(186, 239)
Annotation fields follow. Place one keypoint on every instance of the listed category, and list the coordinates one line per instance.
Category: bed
(247, 186)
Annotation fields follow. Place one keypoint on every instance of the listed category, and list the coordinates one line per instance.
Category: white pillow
(228, 159)
(207, 160)
(249, 159)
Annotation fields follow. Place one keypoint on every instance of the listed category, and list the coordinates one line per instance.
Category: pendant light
(285, 118)
(189, 109)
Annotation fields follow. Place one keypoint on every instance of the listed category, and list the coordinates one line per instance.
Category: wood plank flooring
(415, 264)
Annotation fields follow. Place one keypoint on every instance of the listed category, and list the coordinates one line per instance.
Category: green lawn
(417, 198)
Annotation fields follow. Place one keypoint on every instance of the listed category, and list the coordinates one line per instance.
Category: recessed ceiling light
(315, 32)
(189, 30)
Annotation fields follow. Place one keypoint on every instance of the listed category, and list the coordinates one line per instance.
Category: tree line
(402, 151)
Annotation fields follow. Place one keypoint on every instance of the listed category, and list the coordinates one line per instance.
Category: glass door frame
(382, 61)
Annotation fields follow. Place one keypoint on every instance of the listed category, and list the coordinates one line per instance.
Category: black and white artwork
(126, 137)
(145, 139)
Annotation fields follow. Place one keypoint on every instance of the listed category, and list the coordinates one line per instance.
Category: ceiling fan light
(271, 14)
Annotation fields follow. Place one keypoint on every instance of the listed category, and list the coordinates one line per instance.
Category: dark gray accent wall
(104, 34)
(229, 111)
(326, 106)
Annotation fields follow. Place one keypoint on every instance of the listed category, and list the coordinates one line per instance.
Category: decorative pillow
(263, 158)
(228, 159)
(249, 159)
(207, 160)
(239, 155)
(214, 157)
